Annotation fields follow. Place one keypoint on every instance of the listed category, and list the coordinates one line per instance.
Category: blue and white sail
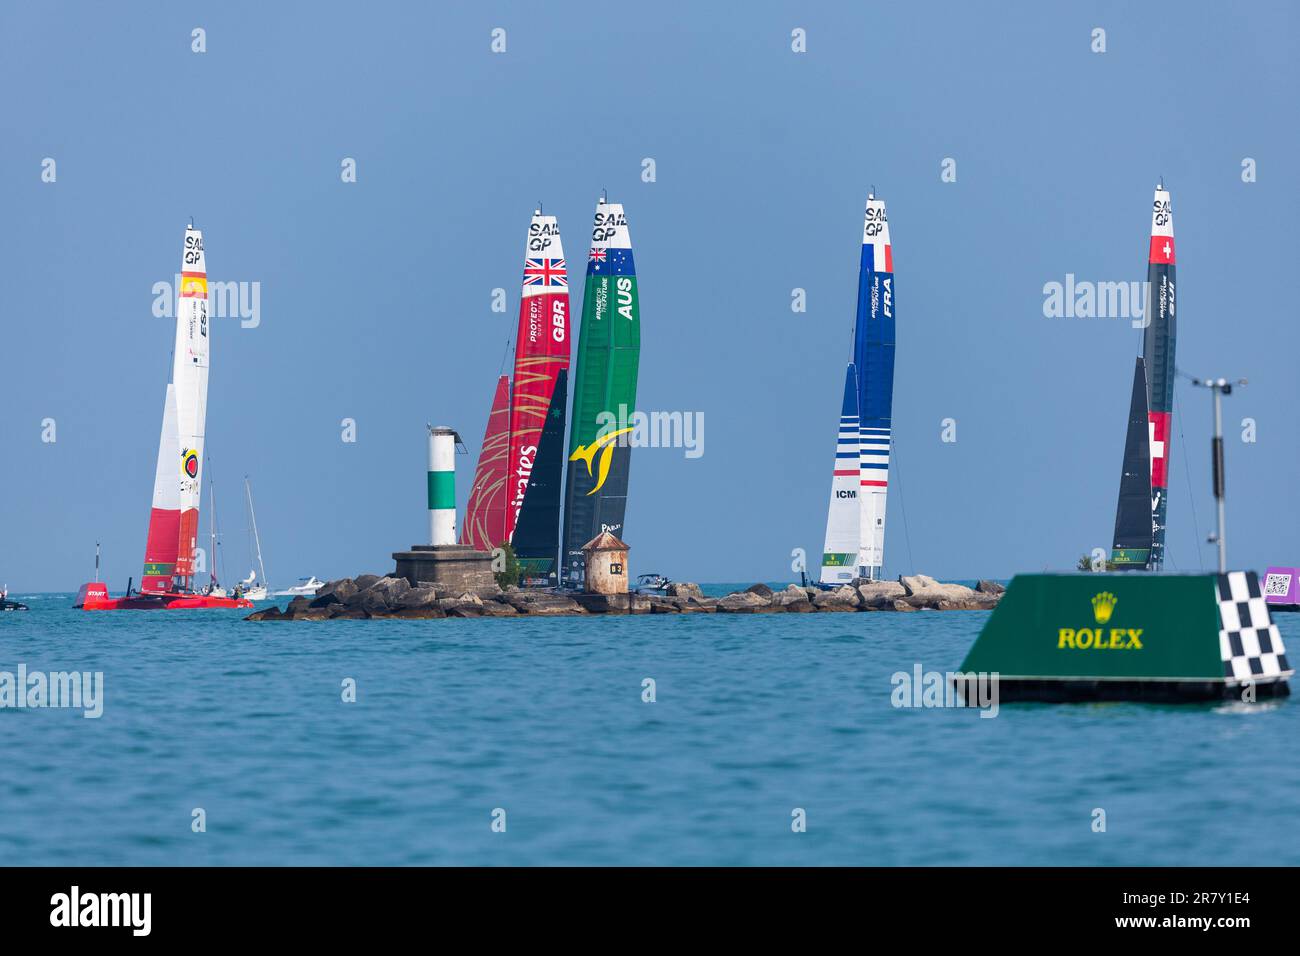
(855, 525)
(840, 554)
(873, 354)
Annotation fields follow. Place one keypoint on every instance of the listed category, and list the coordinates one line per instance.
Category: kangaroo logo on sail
(586, 453)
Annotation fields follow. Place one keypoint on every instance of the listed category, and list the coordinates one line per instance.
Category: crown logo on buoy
(1103, 605)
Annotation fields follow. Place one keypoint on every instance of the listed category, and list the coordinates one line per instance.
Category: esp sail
(484, 527)
(541, 354)
(604, 396)
(873, 355)
(170, 567)
(840, 553)
(1158, 345)
(1133, 524)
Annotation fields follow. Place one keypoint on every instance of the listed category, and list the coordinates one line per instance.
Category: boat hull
(95, 597)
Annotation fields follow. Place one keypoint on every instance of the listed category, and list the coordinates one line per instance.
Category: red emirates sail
(541, 354)
(484, 527)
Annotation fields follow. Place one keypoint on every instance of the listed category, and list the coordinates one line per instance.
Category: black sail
(537, 532)
(1133, 524)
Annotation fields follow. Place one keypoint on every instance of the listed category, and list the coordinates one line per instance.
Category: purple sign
(1282, 586)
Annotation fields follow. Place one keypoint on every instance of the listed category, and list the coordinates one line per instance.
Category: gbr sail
(1158, 344)
(604, 396)
(541, 354)
(484, 527)
(184, 419)
(873, 355)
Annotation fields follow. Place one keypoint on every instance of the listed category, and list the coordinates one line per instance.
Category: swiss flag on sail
(1162, 250)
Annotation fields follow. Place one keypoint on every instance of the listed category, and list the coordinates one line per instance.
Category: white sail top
(609, 230)
(544, 268)
(1162, 213)
(875, 225)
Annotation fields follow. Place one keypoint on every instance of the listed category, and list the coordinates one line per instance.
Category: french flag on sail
(885, 253)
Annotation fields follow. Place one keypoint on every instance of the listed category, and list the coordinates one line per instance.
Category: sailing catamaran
(855, 521)
(537, 403)
(253, 587)
(168, 579)
(609, 350)
(1139, 542)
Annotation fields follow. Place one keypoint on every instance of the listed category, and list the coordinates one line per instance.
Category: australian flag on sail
(545, 272)
(607, 262)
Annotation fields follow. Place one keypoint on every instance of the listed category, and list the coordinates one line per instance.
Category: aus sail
(873, 356)
(604, 396)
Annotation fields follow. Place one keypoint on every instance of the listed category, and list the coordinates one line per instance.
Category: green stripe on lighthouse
(442, 490)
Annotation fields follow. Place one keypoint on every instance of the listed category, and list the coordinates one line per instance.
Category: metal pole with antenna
(1218, 388)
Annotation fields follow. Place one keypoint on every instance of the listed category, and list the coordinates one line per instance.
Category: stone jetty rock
(416, 599)
(793, 594)
(392, 588)
(880, 594)
(932, 597)
(465, 610)
(371, 596)
(418, 613)
(543, 603)
(692, 605)
(335, 592)
(621, 603)
(843, 598)
(744, 602)
(916, 582)
(343, 612)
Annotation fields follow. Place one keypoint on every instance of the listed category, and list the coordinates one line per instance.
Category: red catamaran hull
(94, 597)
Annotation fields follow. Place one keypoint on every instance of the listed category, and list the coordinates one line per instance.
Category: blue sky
(376, 295)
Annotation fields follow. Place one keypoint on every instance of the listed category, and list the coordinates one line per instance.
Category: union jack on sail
(547, 272)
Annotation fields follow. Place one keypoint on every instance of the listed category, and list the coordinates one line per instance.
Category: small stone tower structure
(606, 564)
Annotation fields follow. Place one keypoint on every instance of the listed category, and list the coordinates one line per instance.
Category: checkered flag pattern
(1249, 641)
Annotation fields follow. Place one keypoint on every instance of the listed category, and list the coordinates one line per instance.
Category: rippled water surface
(756, 715)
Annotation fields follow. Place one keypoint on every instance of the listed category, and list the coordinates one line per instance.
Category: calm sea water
(756, 715)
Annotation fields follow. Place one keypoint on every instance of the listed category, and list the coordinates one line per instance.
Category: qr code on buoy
(1277, 585)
